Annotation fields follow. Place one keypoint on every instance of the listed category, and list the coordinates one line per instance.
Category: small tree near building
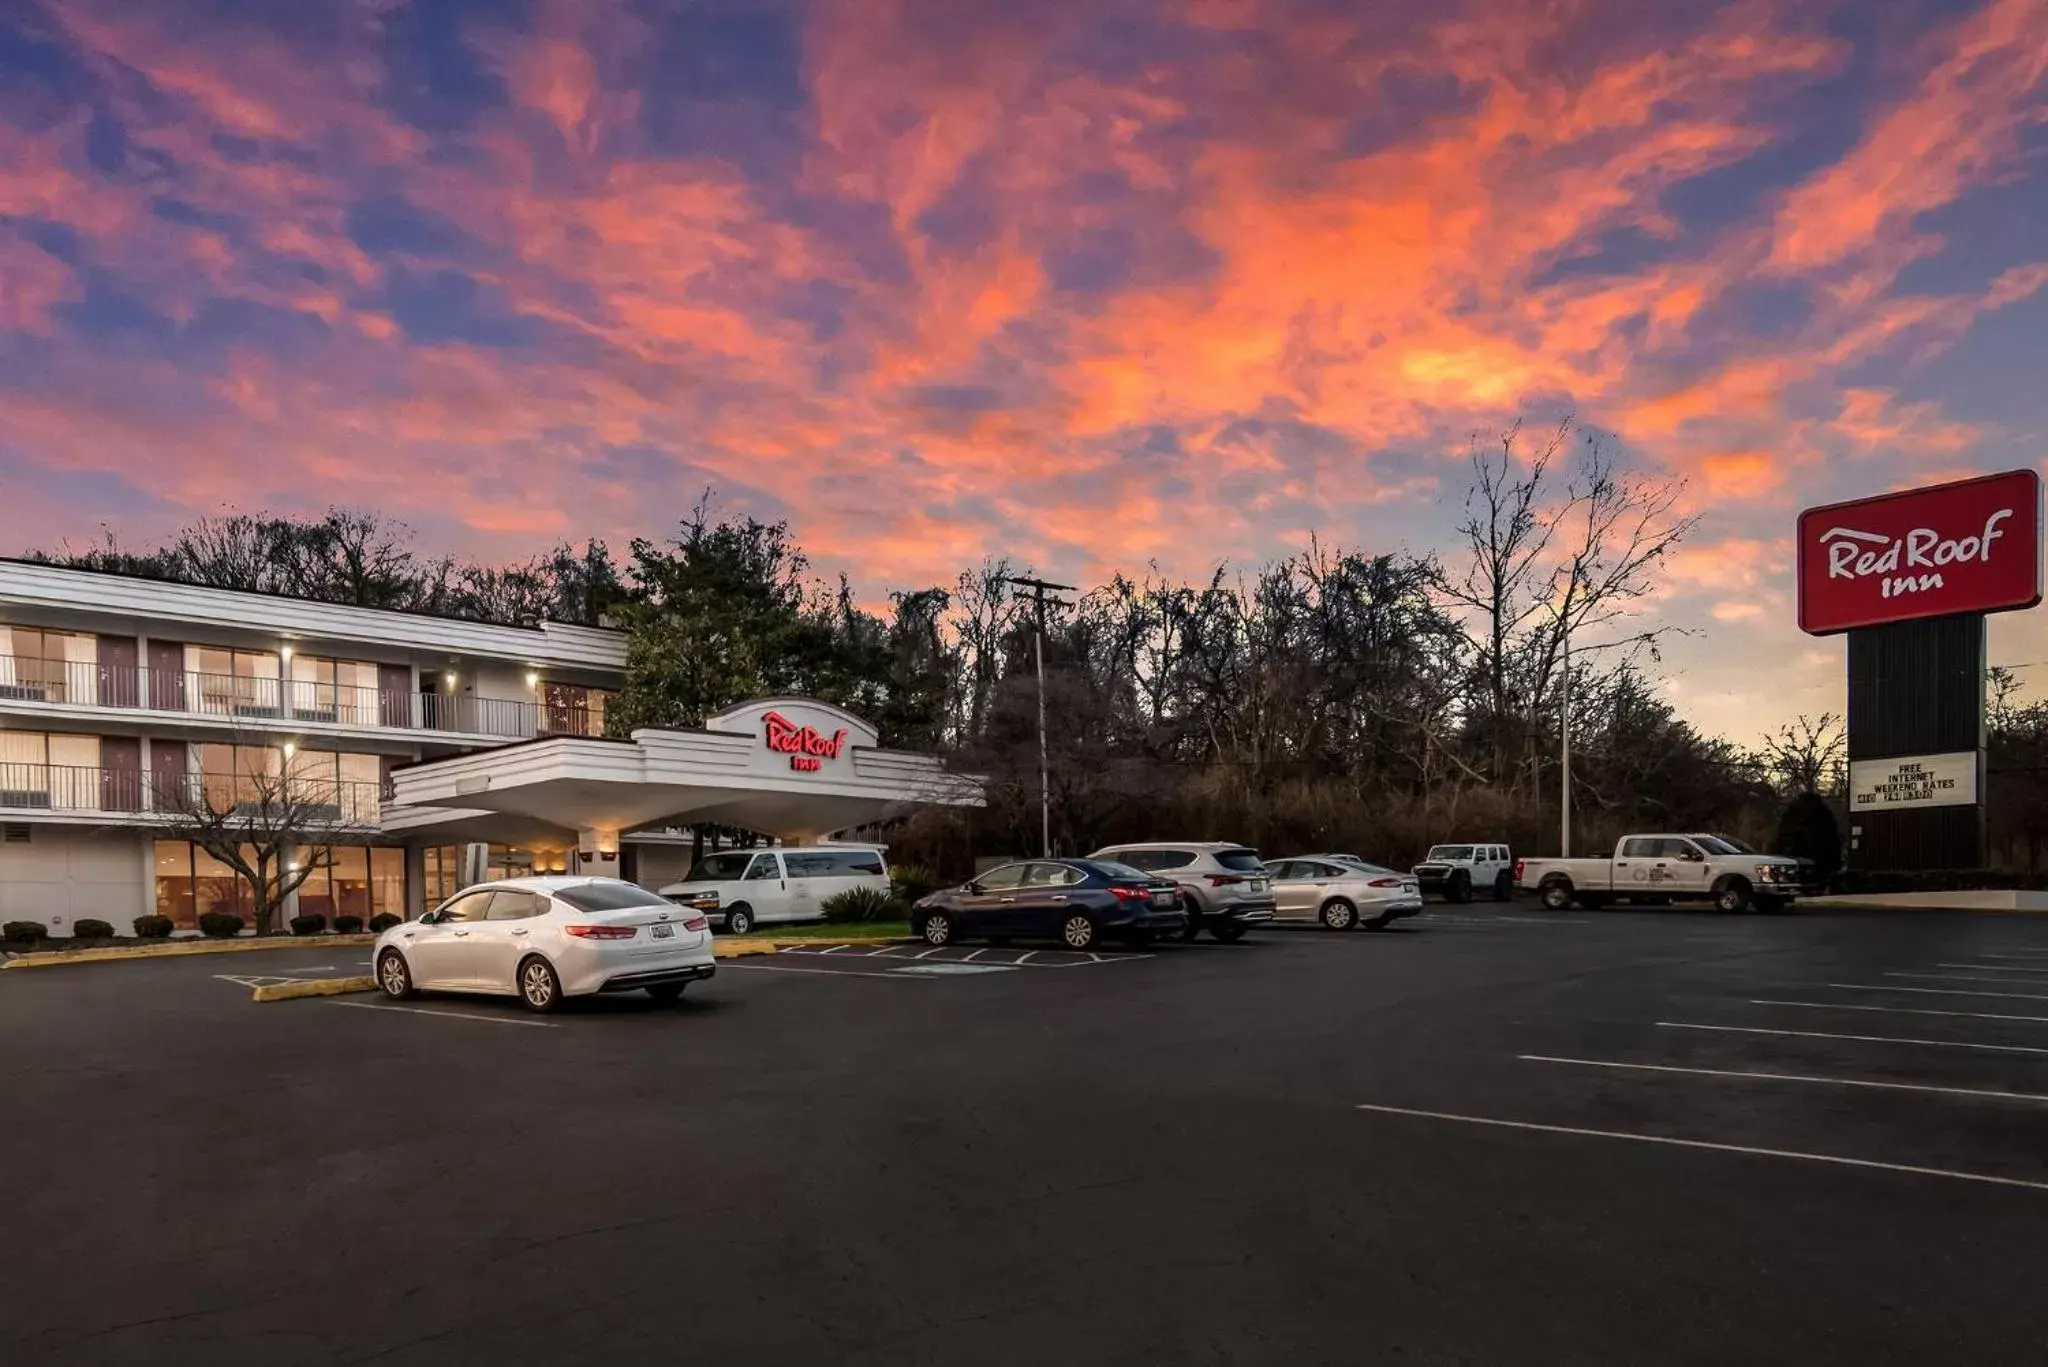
(1808, 830)
(274, 827)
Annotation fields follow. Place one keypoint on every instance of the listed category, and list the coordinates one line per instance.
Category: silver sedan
(1341, 895)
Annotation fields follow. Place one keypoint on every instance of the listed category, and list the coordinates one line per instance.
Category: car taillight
(697, 923)
(1224, 880)
(1518, 869)
(603, 932)
(1384, 883)
(1131, 894)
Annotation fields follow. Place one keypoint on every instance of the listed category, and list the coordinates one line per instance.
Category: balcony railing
(71, 788)
(260, 699)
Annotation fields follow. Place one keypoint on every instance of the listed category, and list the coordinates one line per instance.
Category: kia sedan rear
(544, 939)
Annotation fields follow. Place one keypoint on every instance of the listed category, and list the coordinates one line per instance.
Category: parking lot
(1488, 1135)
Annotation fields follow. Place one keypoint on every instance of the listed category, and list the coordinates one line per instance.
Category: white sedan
(1341, 894)
(543, 939)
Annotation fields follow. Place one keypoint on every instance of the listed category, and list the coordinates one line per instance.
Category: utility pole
(1564, 729)
(1039, 591)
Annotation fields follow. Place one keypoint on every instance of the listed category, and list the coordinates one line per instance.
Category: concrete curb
(312, 987)
(179, 950)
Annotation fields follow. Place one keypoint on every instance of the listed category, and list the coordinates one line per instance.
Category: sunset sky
(1088, 284)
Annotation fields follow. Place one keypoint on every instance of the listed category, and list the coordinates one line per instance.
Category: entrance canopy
(788, 767)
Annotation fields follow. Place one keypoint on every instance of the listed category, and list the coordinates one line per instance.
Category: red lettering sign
(806, 746)
(1972, 546)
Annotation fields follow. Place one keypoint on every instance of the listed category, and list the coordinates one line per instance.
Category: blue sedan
(1076, 901)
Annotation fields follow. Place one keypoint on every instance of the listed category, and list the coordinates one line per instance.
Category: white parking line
(929, 952)
(2013, 954)
(1900, 1010)
(830, 949)
(1936, 991)
(1995, 968)
(1785, 1077)
(1967, 978)
(1865, 1039)
(975, 955)
(1835, 1159)
(429, 1011)
(821, 972)
(1029, 954)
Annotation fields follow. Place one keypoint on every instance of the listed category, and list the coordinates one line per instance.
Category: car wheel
(393, 975)
(1338, 914)
(739, 920)
(539, 988)
(1732, 896)
(1459, 889)
(1194, 925)
(1228, 934)
(1504, 887)
(1077, 932)
(1557, 896)
(938, 929)
(664, 993)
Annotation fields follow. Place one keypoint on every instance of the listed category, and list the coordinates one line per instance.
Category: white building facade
(448, 750)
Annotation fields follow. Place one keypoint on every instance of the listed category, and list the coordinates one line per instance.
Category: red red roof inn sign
(1972, 546)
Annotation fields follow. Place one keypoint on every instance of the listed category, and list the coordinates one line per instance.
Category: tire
(1077, 932)
(1194, 925)
(1338, 914)
(1557, 895)
(1228, 934)
(739, 920)
(937, 930)
(394, 975)
(1732, 896)
(540, 989)
(1459, 889)
(664, 993)
(1504, 887)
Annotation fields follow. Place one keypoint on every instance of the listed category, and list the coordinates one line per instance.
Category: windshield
(1452, 852)
(1109, 868)
(721, 868)
(1240, 861)
(1721, 844)
(608, 897)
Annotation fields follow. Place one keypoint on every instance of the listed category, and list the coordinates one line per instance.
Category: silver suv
(1225, 887)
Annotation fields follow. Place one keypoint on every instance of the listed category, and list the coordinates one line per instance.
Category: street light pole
(1039, 589)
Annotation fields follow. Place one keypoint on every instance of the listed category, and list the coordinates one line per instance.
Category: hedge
(347, 925)
(310, 924)
(90, 929)
(26, 932)
(154, 927)
(383, 921)
(220, 925)
(1854, 882)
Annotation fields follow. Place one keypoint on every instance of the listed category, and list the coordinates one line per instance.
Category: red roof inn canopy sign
(1973, 546)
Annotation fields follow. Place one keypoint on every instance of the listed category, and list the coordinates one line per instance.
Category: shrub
(26, 932)
(1851, 882)
(912, 881)
(861, 905)
(1807, 830)
(312, 923)
(154, 927)
(90, 929)
(383, 921)
(347, 925)
(220, 925)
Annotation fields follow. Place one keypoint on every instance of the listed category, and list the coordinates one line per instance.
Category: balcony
(280, 703)
(66, 789)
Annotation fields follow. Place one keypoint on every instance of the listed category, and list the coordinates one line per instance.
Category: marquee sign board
(797, 735)
(1912, 781)
(1972, 546)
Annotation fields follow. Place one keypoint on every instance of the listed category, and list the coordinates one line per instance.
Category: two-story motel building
(451, 747)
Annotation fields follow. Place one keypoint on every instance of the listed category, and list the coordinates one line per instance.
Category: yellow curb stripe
(57, 958)
(313, 987)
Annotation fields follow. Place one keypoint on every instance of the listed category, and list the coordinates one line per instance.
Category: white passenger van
(740, 889)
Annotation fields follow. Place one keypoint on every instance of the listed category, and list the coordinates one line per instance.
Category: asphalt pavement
(1489, 1136)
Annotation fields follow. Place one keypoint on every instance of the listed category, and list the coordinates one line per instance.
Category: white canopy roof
(789, 767)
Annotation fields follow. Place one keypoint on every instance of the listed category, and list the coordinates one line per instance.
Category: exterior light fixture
(532, 679)
(290, 749)
(449, 678)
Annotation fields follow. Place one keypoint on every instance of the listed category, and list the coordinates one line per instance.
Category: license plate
(1259, 885)
(1162, 899)
(664, 931)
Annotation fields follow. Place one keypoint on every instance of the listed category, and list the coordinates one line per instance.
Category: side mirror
(974, 888)
(430, 918)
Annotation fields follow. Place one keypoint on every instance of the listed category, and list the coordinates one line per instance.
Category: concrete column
(415, 882)
(597, 852)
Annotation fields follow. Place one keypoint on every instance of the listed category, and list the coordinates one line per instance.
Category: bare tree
(1805, 756)
(275, 826)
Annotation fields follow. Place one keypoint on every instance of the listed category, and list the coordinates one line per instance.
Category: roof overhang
(788, 767)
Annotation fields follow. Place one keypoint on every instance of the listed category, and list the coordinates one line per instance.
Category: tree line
(1341, 698)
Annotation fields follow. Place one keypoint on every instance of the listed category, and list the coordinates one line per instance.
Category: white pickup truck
(1656, 870)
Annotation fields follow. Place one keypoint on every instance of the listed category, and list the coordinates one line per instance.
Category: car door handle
(462, 934)
(519, 932)
(1059, 898)
(1006, 899)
